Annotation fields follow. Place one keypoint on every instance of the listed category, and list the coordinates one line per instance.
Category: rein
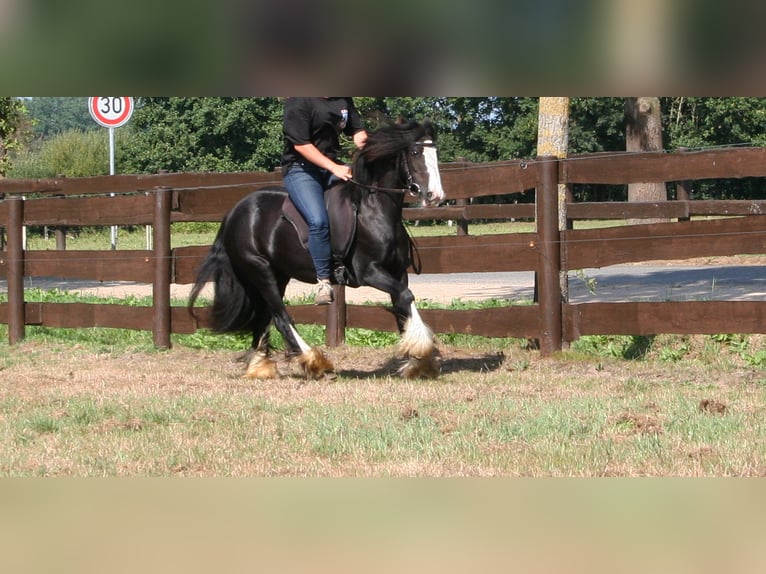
(412, 188)
(402, 190)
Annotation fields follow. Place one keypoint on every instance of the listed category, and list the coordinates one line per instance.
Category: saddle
(342, 212)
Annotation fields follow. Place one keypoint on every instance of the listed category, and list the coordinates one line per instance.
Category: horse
(257, 250)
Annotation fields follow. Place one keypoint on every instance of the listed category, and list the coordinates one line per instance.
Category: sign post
(111, 113)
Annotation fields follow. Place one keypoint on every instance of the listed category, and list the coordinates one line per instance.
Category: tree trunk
(553, 140)
(643, 132)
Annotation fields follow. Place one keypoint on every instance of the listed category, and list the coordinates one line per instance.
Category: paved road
(671, 283)
(616, 283)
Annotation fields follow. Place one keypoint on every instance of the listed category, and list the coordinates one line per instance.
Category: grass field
(684, 407)
(103, 402)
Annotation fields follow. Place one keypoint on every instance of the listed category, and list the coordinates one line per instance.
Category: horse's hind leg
(313, 362)
(272, 289)
(260, 365)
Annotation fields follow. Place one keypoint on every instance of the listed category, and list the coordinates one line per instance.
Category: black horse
(258, 250)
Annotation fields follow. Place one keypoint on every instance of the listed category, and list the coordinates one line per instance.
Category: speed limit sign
(111, 112)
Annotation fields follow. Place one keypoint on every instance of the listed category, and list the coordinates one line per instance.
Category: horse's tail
(232, 311)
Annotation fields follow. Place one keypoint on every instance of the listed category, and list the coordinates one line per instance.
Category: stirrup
(341, 275)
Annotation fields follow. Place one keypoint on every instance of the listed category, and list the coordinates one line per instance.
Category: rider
(312, 128)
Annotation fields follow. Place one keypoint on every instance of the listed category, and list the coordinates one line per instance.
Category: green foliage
(237, 134)
(12, 129)
(205, 134)
(477, 129)
(741, 345)
(73, 153)
(596, 124)
(695, 123)
(194, 227)
(614, 346)
(53, 116)
(60, 296)
(368, 338)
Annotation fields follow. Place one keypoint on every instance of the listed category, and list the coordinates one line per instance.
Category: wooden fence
(159, 200)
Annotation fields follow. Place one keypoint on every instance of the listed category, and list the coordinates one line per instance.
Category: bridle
(412, 188)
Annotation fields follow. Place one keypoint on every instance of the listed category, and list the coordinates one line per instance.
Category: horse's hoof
(421, 368)
(315, 364)
(261, 367)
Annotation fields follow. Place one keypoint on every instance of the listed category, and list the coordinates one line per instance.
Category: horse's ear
(429, 129)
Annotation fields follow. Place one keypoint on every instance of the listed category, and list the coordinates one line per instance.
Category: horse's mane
(387, 141)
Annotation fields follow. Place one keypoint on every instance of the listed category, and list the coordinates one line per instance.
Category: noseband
(412, 188)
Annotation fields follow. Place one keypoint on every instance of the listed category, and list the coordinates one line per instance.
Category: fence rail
(159, 200)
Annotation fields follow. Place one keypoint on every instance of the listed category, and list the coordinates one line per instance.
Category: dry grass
(73, 412)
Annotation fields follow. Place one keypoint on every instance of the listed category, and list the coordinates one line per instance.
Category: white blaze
(434, 177)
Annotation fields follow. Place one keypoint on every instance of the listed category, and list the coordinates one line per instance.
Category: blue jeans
(305, 185)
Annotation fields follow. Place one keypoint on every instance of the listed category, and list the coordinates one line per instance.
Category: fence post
(59, 232)
(549, 266)
(462, 223)
(683, 190)
(162, 267)
(16, 319)
(335, 333)
(2, 228)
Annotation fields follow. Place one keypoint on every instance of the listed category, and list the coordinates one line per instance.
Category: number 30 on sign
(110, 112)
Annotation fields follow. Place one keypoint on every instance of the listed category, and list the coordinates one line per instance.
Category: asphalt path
(609, 284)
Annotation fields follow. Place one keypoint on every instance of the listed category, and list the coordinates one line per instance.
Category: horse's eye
(415, 151)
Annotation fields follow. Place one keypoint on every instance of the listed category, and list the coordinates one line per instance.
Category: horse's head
(404, 155)
(423, 165)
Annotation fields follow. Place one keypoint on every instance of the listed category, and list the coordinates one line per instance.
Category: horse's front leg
(417, 344)
(418, 347)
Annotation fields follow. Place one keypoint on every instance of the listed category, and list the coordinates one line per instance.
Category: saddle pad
(342, 214)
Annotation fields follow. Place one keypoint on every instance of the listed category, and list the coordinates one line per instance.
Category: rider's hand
(342, 172)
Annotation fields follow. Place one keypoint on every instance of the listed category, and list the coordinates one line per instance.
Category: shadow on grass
(639, 346)
(478, 364)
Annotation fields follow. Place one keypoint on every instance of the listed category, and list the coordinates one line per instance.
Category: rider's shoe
(324, 294)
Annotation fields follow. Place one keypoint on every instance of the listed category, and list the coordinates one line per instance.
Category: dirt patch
(640, 423)
(711, 406)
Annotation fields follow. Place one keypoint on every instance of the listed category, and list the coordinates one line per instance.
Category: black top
(319, 121)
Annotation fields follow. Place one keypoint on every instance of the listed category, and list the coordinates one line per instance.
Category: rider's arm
(312, 154)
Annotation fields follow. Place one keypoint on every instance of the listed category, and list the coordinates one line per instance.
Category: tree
(553, 140)
(643, 132)
(697, 123)
(553, 127)
(74, 153)
(235, 134)
(205, 134)
(477, 129)
(694, 122)
(51, 116)
(596, 124)
(13, 129)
